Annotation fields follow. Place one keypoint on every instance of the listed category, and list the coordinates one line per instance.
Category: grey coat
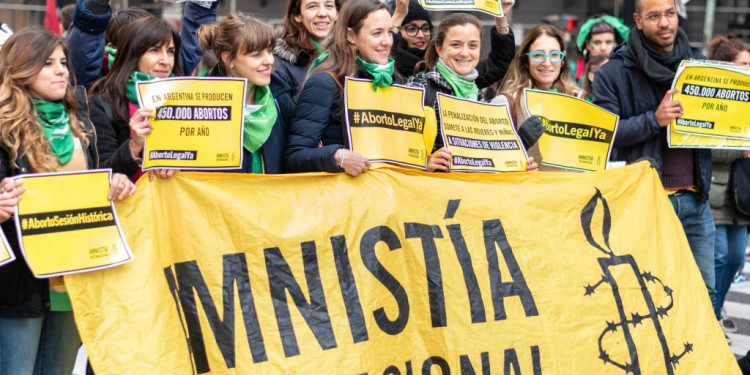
(720, 197)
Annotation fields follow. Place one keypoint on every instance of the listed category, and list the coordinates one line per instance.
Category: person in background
(243, 46)
(635, 85)
(731, 225)
(596, 37)
(589, 74)
(42, 129)
(305, 34)
(66, 16)
(360, 48)
(410, 43)
(539, 64)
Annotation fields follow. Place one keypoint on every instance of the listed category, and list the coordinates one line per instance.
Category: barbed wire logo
(628, 321)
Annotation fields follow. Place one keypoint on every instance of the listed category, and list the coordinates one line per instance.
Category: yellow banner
(66, 224)
(682, 140)
(400, 271)
(387, 124)
(716, 100)
(578, 134)
(198, 123)
(491, 7)
(6, 254)
(481, 136)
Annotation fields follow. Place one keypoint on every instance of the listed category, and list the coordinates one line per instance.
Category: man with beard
(635, 84)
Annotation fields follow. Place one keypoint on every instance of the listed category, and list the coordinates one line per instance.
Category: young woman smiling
(41, 130)
(307, 28)
(361, 47)
(451, 60)
(243, 45)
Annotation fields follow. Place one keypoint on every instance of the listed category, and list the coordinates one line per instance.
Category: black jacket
(317, 128)
(113, 135)
(620, 86)
(290, 69)
(21, 294)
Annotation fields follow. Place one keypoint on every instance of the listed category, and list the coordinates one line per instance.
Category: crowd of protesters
(70, 104)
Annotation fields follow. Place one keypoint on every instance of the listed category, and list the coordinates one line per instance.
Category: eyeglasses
(412, 30)
(655, 17)
(538, 57)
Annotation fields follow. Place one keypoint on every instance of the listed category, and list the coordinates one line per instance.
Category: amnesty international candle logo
(66, 224)
(198, 122)
(577, 135)
(387, 124)
(716, 99)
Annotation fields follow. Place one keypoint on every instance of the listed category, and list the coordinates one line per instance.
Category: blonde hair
(19, 67)
(237, 34)
(519, 76)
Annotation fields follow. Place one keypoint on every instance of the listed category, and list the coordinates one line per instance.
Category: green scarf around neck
(463, 88)
(130, 92)
(55, 122)
(382, 75)
(111, 54)
(259, 123)
(318, 45)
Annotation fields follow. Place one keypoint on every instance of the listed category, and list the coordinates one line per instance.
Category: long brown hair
(454, 19)
(519, 77)
(294, 33)
(237, 33)
(20, 65)
(725, 48)
(137, 37)
(342, 60)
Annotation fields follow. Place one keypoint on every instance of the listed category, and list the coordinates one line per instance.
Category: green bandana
(318, 46)
(258, 124)
(111, 54)
(318, 60)
(462, 87)
(585, 30)
(382, 75)
(130, 92)
(56, 125)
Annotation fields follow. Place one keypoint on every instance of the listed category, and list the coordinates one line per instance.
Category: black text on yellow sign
(6, 254)
(66, 224)
(435, 274)
(578, 134)
(387, 124)
(715, 99)
(197, 125)
(481, 136)
(491, 7)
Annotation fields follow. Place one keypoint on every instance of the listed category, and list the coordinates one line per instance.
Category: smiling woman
(43, 128)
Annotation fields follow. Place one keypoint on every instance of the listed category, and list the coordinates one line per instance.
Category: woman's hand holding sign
(440, 160)
(353, 163)
(139, 129)
(10, 195)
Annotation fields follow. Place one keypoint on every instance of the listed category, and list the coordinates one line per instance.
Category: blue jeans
(696, 219)
(40, 346)
(729, 252)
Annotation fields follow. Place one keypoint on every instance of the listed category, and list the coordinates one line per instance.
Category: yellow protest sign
(578, 134)
(198, 123)
(715, 99)
(481, 136)
(402, 271)
(491, 7)
(6, 254)
(66, 224)
(682, 140)
(387, 124)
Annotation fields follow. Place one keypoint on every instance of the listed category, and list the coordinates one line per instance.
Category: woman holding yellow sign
(243, 46)
(42, 130)
(451, 61)
(360, 48)
(147, 52)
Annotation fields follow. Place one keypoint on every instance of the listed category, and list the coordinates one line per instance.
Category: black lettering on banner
(476, 303)
(495, 234)
(315, 312)
(468, 369)
(173, 154)
(482, 144)
(64, 221)
(445, 369)
(716, 93)
(349, 289)
(536, 360)
(194, 113)
(371, 118)
(511, 359)
(428, 233)
(370, 260)
(577, 131)
(190, 279)
(172, 283)
(695, 123)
